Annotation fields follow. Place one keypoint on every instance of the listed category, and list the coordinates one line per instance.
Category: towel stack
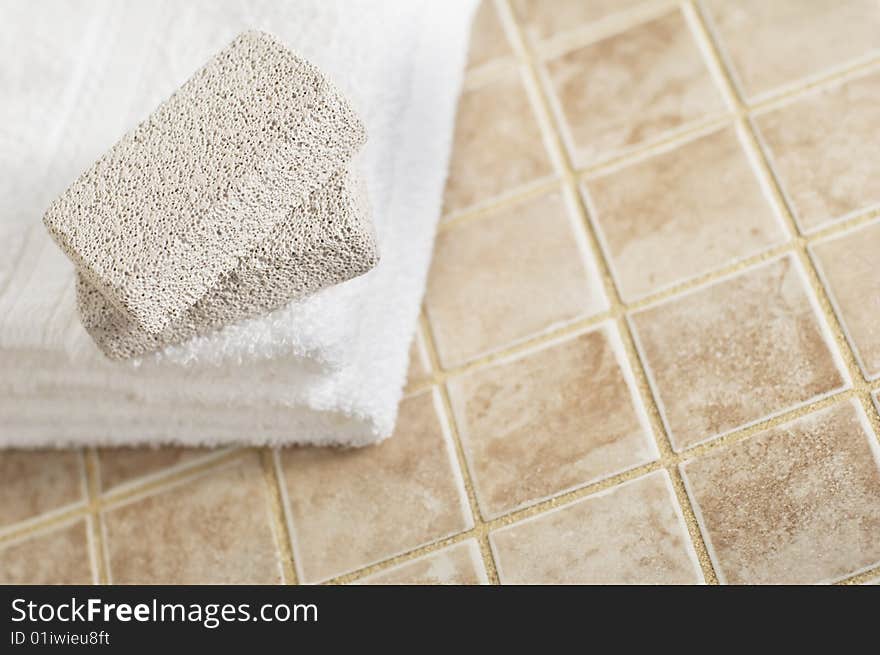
(236, 360)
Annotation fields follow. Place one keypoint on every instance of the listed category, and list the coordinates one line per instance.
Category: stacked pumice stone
(235, 197)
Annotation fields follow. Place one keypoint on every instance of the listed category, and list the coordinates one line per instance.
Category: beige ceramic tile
(59, 556)
(123, 465)
(497, 145)
(36, 482)
(682, 213)
(351, 508)
(214, 529)
(505, 277)
(795, 504)
(735, 352)
(632, 534)
(631, 88)
(850, 269)
(542, 19)
(488, 41)
(418, 367)
(824, 148)
(771, 44)
(459, 564)
(550, 421)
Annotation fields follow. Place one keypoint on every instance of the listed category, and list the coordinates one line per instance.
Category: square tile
(736, 352)
(774, 44)
(458, 564)
(849, 265)
(550, 421)
(497, 147)
(37, 482)
(633, 533)
(120, 466)
(56, 556)
(419, 369)
(823, 149)
(213, 529)
(352, 508)
(541, 19)
(488, 40)
(631, 88)
(682, 213)
(502, 278)
(796, 504)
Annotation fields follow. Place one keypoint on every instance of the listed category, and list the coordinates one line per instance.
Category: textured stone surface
(323, 242)
(735, 352)
(631, 88)
(525, 254)
(551, 421)
(799, 503)
(179, 534)
(59, 556)
(196, 188)
(352, 508)
(850, 273)
(457, 564)
(632, 534)
(773, 43)
(682, 213)
(823, 148)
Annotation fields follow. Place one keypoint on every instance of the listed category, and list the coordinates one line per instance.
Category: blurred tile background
(650, 349)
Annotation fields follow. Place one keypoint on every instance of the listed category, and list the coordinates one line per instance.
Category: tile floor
(649, 354)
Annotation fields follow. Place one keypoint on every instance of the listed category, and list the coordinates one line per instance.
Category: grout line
(480, 530)
(276, 510)
(96, 533)
(161, 483)
(861, 578)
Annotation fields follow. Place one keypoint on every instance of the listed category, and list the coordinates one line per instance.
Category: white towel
(328, 370)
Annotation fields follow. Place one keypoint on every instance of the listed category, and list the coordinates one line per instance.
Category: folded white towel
(326, 370)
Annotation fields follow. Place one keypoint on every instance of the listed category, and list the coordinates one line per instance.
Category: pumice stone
(233, 198)
(327, 240)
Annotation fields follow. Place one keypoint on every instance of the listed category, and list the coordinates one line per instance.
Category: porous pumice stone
(328, 240)
(193, 190)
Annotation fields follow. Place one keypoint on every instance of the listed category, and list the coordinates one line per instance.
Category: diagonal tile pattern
(633, 91)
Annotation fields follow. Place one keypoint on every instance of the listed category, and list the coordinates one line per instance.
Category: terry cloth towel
(327, 370)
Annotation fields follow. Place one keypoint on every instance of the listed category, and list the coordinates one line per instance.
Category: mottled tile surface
(824, 147)
(214, 529)
(488, 41)
(504, 277)
(497, 145)
(122, 465)
(550, 421)
(57, 556)
(36, 482)
(850, 268)
(735, 352)
(541, 20)
(631, 88)
(459, 564)
(682, 213)
(631, 534)
(419, 370)
(795, 504)
(352, 508)
(772, 43)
